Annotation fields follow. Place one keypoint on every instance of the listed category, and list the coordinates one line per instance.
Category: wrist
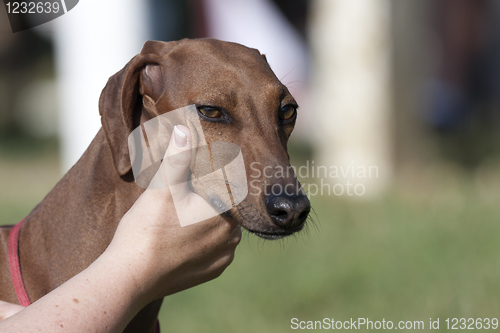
(127, 274)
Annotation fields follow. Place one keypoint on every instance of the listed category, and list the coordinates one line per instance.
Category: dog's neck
(76, 221)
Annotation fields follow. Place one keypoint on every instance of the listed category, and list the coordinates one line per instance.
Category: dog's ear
(120, 101)
(152, 85)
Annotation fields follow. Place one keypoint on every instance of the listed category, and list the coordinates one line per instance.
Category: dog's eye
(287, 112)
(209, 112)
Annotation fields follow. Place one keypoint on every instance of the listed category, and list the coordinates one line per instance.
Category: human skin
(151, 256)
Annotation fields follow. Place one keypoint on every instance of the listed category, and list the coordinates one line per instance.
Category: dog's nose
(287, 211)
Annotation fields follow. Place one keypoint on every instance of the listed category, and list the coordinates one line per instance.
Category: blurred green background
(422, 251)
(388, 259)
(427, 249)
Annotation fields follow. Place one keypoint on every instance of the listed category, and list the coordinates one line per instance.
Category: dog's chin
(274, 235)
(269, 236)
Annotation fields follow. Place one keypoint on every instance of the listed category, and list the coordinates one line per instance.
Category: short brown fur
(76, 221)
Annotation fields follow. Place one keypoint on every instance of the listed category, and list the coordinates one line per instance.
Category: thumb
(190, 207)
(177, 160)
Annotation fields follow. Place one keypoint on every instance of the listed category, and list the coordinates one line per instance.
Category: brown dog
(239, 100)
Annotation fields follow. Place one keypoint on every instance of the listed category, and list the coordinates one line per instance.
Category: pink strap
(15, 266)
(15, 269)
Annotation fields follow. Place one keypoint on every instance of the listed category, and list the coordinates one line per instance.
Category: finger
(177, 161)
(235, 236)
(8, 309)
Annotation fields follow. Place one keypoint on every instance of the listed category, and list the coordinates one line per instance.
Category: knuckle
(217, 272)
(237, 236)
(230, 258)
(179, 159)
(175, 161)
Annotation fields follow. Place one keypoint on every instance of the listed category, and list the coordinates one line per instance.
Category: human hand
(164, 257)
(8, 309)
(150, 256)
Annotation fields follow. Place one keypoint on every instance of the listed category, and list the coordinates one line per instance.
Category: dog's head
(239, 100)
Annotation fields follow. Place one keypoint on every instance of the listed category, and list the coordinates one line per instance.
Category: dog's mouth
(261, 228)
(273, 235)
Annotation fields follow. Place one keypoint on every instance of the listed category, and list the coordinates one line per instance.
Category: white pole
(351, 83)
(93, 41)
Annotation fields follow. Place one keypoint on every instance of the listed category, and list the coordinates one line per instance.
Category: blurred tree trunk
(351, 46)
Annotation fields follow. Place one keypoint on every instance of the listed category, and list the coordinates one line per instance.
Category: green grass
(419, 253)
(387, 259)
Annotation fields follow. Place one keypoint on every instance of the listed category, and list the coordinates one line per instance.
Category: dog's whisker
(288, 73)
(288, 85)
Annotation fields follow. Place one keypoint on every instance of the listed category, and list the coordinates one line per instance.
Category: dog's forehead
(211, 56)
(217, 72)
(218, 48)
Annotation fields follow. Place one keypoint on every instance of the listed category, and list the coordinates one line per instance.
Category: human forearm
(103, 298)
(151, 256)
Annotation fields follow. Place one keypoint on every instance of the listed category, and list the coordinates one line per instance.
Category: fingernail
(180, 138)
